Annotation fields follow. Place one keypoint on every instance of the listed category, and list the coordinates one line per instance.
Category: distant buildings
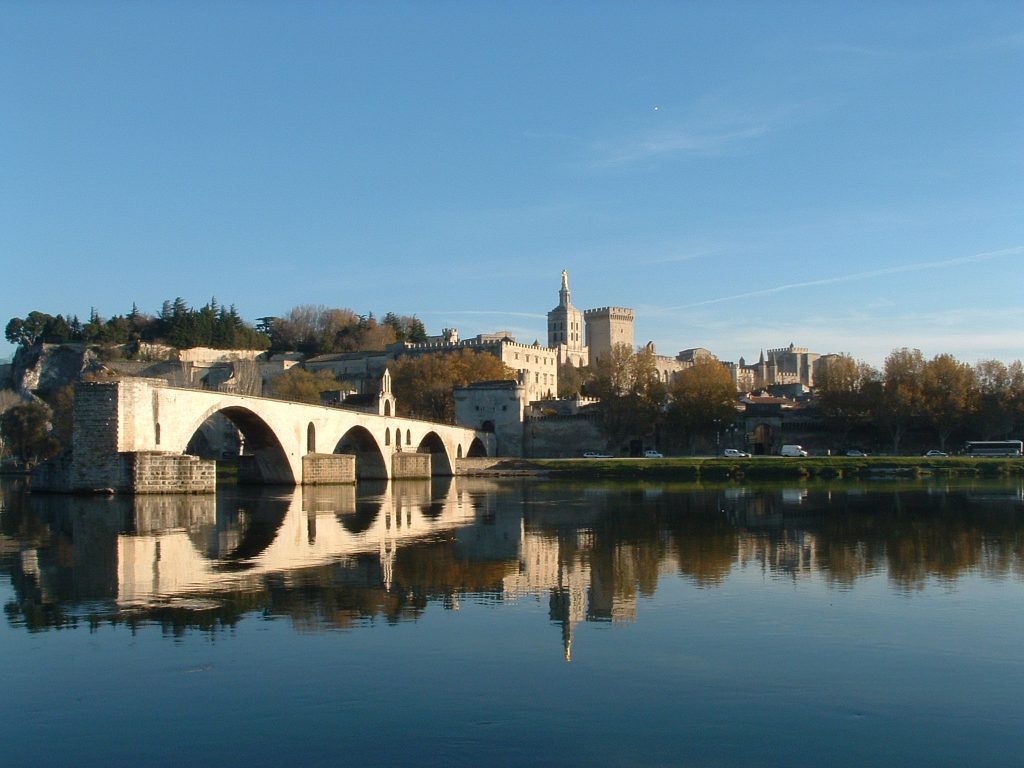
(575, 337)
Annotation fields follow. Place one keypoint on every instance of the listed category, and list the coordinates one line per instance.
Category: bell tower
(565, 327)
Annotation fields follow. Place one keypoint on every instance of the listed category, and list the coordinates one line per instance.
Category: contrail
(921, 265)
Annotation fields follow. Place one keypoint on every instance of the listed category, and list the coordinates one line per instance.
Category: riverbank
(773, 468)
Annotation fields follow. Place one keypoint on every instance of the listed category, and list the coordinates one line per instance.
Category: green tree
(25, 430)
(302, 386)
(1000, 400)
(702, 401)
(62, 404)
(573, 380)
(423, 384)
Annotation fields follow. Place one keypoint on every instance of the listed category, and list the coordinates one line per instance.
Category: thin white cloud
(713, 125)
(968, 333)
(676, 143)
(681, 257)
(903, 268)
(485, 313)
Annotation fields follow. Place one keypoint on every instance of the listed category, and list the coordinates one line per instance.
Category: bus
(994, 448)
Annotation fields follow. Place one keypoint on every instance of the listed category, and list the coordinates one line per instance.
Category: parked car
(735, 453)
(793, 451)
(596, 455)
(856, 454)
(652, 455)
(934, 453)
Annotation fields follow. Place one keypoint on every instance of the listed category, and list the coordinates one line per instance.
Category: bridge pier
(328, 469)
(410, 466)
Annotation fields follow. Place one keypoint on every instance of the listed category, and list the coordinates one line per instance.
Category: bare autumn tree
(247, 379)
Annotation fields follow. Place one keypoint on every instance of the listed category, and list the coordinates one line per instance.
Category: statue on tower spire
(563, 293)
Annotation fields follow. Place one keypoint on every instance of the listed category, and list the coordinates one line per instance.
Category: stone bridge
(131, 435)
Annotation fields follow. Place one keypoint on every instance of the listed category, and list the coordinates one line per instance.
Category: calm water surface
(483, 623)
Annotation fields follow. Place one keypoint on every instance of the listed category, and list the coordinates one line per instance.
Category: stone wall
(94, 440)
(494, 406)
(328, 469)
(562, 437)
(152, 472)
(406, 466)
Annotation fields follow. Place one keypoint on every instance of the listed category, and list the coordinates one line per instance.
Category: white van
(793, 450)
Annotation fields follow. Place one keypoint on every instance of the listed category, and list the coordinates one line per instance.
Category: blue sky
(845, 176)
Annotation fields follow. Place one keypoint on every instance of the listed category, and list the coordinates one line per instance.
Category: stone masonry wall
(410, 465)
(565, 437)
(96, 464)
(328, 468)
(170, 473)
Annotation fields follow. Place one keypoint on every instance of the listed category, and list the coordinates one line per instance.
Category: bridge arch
(440, 462)
(477, 449)
(360, 443)
(263, 458)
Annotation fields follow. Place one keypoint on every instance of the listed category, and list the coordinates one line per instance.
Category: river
(474, 622)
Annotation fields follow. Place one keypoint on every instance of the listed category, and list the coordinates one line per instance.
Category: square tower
(606, 328)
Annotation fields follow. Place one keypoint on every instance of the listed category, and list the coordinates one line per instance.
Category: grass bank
(777, 468)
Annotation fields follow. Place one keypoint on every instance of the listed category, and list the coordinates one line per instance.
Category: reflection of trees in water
(613, 542)
(840, 532)
(352, 593)
(907, 532)
(916, 536)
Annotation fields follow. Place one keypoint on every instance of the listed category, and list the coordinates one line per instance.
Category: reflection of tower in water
(580, 585)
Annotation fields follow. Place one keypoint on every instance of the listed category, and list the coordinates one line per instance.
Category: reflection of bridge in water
(309, 527)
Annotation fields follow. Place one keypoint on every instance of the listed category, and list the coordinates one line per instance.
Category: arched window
(408, 436)
(398, 436)
(387, 437)
(387, 407)
(311, 438)
(459, 454)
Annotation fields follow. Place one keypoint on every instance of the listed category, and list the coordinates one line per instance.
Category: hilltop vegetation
(177, 324)
(312, 330)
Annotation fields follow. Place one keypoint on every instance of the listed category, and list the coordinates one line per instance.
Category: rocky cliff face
(48, 367)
